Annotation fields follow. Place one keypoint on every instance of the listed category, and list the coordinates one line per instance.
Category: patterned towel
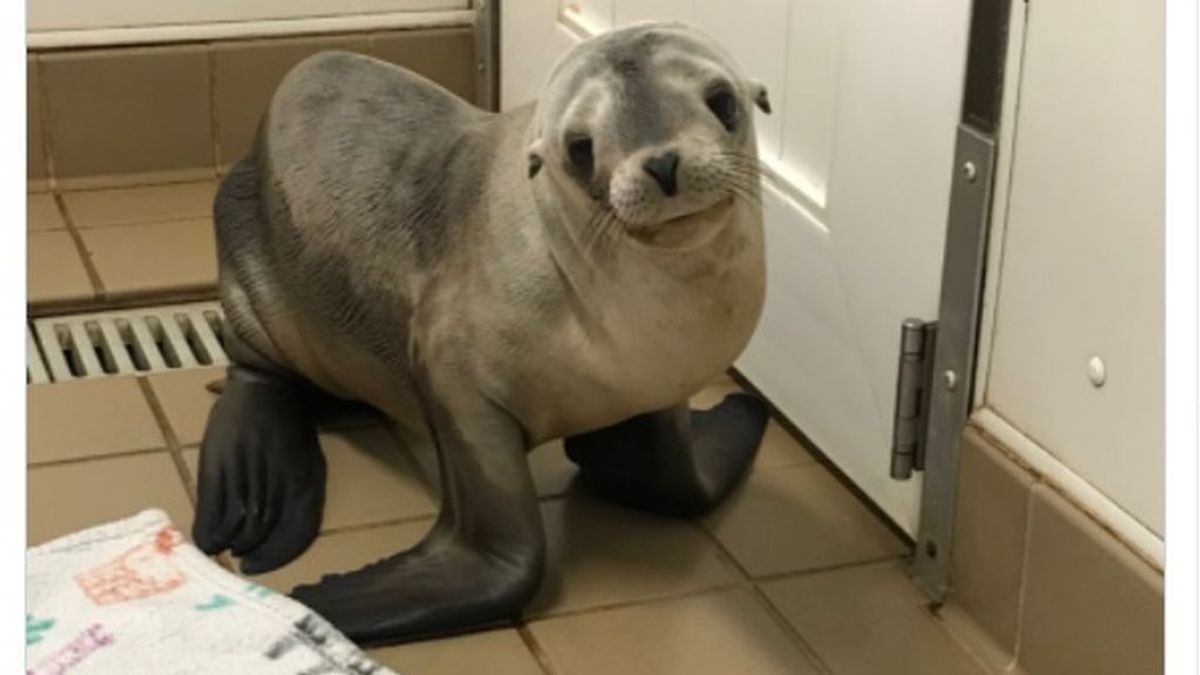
(133, 597)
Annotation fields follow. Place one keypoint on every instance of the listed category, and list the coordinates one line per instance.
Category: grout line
(122, 301)
(549, 615)
(47, 139)
(781, 621)
(791, 631)
(153, 180)
(168, 220)
(378, 524)
(780, 576)
(85, 255)
(535, 648)
(1023, 586)
(160, 416)
(214, 125)
(94, 458)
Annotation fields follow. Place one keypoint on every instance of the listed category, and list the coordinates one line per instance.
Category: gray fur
(397, 227)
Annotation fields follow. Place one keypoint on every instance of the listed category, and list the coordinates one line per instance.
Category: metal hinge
(914, 375)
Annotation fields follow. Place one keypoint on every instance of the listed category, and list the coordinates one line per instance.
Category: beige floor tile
(989, 538)
(88, 418)
(370, 480)
(1090, 605)
(246, 74)
(720, 633)
(65, 498)
(799, 518)
(185, 400)
(780, 449)
(54, 270)
(599, 555)
(150, 102)
(343, 552)
(495, 652)
(869, 619)
(138, 259)
(444, 55)
(41, 213)
(141, 204)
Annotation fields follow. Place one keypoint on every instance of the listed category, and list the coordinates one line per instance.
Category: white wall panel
(629, 11)
(808, 102)
(531, 41)
(804, 359)
(1082, 269)
(595, 15)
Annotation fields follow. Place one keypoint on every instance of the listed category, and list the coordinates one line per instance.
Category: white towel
(133, 597)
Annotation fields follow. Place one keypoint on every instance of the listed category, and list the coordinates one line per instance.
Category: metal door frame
(960, 308)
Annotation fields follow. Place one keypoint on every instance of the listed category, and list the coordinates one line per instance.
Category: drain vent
(129, 342)
(35, 367)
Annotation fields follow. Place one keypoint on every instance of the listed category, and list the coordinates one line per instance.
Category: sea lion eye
(722, 104)
(579, 151)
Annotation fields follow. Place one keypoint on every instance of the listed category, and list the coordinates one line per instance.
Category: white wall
(63, 23)
(1081, 265)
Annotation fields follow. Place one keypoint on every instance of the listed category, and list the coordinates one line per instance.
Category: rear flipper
(675, 462)
(261, 483)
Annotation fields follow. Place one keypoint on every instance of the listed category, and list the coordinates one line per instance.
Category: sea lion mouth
(684, 227)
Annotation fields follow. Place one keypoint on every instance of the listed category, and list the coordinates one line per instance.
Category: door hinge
(914, 375)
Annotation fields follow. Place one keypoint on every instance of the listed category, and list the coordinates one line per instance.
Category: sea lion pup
(572, 269)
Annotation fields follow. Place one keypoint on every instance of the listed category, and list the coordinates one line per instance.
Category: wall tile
(446, 56)
(35, 149)
(1090, 605)
(989, 537)
(245, 76)
(116, 114)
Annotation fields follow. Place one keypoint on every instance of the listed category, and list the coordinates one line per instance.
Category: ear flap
(758, 92)
(535, 158)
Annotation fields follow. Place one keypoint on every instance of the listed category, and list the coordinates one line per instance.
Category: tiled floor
(792, 575)
(113, 245)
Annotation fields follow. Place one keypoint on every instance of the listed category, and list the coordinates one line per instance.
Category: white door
(860, 147)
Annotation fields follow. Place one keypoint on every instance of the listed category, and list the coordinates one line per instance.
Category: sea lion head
(651, 123)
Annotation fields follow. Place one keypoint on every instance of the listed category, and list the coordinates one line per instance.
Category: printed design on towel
(258, 591)
(83, 646)
(218, 602)
(144, 571)
(313, 632)
(34, 628)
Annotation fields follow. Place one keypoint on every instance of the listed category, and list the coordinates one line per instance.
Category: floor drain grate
(35, 366)
(127, 342)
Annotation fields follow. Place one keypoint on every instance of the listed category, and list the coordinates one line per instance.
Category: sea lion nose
(662, 168)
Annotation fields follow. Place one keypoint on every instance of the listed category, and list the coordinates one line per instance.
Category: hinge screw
(970, 171)
(950, 379)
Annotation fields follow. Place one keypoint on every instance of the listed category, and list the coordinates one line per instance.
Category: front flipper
(483, 559)
(261, 483)
(675, 462)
